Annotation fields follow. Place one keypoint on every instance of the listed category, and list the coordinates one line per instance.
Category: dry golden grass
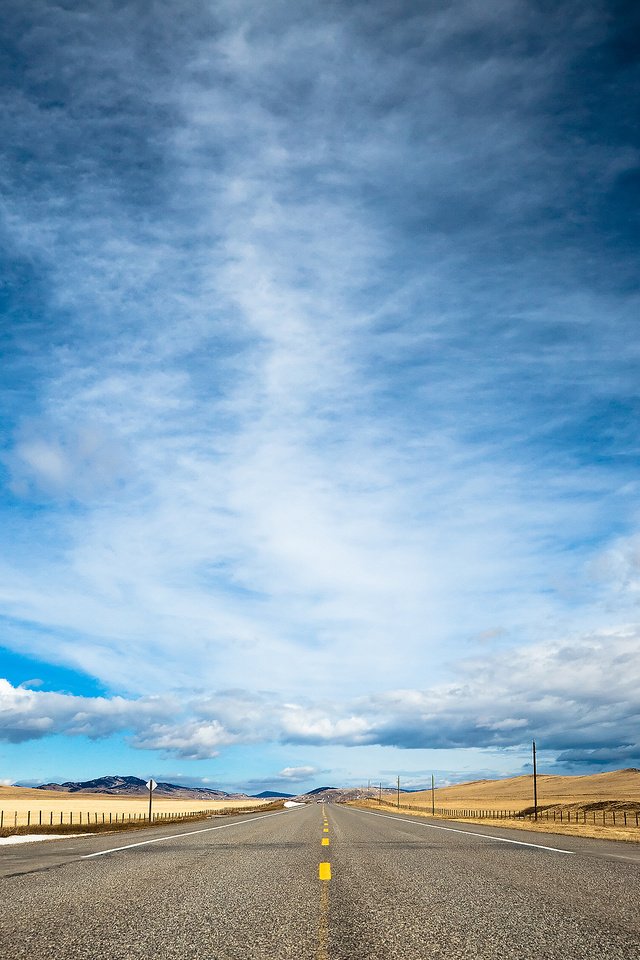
(21, 800)
(516, 793)
(618, 790)
(630, 833)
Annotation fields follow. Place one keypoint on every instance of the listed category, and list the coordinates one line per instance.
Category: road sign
(151, 784)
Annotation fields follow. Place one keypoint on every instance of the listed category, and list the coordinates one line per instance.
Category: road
(249, 888)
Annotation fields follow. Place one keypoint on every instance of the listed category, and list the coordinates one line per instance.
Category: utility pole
(433, 795)
(398, 791)
(535, 784)
(369, 789)
(380, 795)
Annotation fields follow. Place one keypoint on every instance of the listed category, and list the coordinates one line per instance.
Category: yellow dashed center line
(324, 871)
(325, 841)
(323, 927)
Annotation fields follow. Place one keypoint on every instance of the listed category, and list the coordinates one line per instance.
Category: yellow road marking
(323, 927)
(324, 871)
(325, 841)
(326, 830)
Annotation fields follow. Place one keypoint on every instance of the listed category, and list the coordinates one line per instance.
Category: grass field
(516, 793)
(586, 796)
(16, 802)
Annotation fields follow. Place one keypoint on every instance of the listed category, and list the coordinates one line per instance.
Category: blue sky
(320, 390)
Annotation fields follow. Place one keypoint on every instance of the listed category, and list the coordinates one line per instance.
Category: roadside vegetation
(89, 818)
(605, 805)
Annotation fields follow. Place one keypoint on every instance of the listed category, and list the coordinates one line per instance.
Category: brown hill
(517, 792)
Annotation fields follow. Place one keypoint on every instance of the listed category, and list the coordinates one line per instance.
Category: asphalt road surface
(267, 886)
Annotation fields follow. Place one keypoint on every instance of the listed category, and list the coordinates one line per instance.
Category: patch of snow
(32, 837)
(293, 803)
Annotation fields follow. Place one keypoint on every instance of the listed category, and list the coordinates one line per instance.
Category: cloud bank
(579, 700)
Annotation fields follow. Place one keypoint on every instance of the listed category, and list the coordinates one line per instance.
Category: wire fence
(597, 817)
(32, 820)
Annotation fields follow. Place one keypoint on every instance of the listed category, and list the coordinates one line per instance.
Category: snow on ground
(30, 838)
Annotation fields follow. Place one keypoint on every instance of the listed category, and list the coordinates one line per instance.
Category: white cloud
(577, 697)
(280, 435)
(297, 773)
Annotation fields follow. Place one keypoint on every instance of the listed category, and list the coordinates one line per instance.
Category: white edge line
(177, 836)
(469, 833)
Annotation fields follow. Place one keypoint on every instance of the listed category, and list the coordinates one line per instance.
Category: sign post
(151, 785)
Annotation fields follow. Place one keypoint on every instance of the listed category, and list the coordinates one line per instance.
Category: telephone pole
(398, 791)
(433, 795)
(535, 784)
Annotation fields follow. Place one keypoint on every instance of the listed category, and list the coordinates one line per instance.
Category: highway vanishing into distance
(320, 882)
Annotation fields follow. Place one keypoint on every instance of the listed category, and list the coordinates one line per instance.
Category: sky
(320, 387)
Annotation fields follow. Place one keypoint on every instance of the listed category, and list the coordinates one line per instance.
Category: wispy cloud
(323, 380)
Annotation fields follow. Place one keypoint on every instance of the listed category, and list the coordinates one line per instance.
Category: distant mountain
(339, 794)
(135, 787)
(271, 794)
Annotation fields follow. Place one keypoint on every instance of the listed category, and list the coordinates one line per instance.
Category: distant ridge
(135, 787)
(270, 795)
